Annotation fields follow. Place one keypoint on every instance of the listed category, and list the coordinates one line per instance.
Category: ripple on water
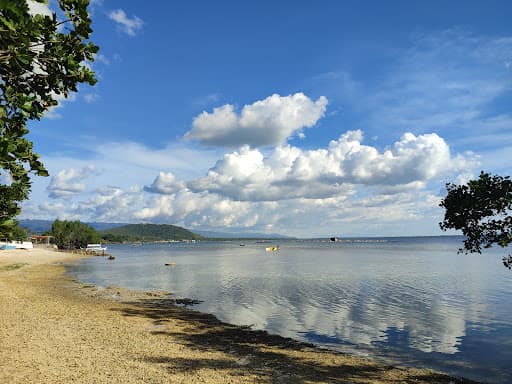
(408, 301)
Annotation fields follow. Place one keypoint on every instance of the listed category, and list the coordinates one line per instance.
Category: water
(411, 301)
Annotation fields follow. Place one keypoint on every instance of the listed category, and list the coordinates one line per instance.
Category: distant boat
(334, 239)
(272, 248)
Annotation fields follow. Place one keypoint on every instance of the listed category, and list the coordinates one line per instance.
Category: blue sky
(301, 118)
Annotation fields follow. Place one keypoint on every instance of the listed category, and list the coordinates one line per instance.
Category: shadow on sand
(269, 358)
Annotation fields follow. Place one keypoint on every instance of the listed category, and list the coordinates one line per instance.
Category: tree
(73, 234)
(41, 59)
(19, 233)
(482, 210)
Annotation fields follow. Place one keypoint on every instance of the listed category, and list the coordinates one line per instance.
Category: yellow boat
(272, 248)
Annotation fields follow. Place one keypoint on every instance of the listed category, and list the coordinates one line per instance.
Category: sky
(307, 119)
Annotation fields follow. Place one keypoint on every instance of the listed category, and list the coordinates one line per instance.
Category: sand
(56, 330)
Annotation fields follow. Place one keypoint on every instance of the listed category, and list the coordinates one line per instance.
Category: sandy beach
(56, 330)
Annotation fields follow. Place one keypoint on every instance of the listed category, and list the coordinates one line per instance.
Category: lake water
(412, 301)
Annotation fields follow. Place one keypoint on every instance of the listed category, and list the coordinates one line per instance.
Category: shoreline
(57, 330)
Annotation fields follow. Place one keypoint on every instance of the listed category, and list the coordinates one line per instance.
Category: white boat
(16, 245)
(97, 248)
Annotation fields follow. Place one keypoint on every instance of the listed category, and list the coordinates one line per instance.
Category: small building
(40, 239)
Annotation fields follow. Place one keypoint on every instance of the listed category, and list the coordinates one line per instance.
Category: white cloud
(165, 183)
(205, 210)
(91, 97)
(445, 82)
(112, 204)
(36, 8)
(289, 172)
(52, 112)
(98, 57)
(345, 188)
(68, 182)
(207, 99)
(96, 3)
(127, 25)
(266, 122)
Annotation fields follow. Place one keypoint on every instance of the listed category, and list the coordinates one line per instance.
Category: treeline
(74, 234)
(148, 232)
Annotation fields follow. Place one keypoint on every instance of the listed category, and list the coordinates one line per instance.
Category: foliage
(482, 210)
(148, 232)
(73, 234)
(14, 231)
(18, 232)
(41, 59)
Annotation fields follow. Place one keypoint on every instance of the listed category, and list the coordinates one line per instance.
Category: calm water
(412, 301)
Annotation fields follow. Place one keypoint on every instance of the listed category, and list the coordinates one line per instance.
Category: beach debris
(507, 261)
(187, 302)
(243, 361)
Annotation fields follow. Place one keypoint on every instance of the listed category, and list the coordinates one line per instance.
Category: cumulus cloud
(165, 183)
(266, 122)
(346, 187)
(130, 26)
(205, 210)
(68, 182)
(345, 184)
(290, 172)
(112, 204)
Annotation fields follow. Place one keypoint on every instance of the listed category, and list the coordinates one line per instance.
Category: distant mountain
(241, 235)
(40, 226)
(148, 232)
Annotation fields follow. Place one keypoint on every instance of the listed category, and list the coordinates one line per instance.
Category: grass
(12, 267)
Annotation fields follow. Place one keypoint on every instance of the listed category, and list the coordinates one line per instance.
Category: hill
(148, 232)
(41, 226)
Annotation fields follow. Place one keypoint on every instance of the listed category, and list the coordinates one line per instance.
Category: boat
(7, 245)
(95, 248)
(272, 248)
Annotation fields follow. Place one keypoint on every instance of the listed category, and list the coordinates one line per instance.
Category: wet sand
(56, 330)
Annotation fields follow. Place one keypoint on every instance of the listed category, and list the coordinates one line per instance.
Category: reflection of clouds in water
(360, 314)
(337, 296)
